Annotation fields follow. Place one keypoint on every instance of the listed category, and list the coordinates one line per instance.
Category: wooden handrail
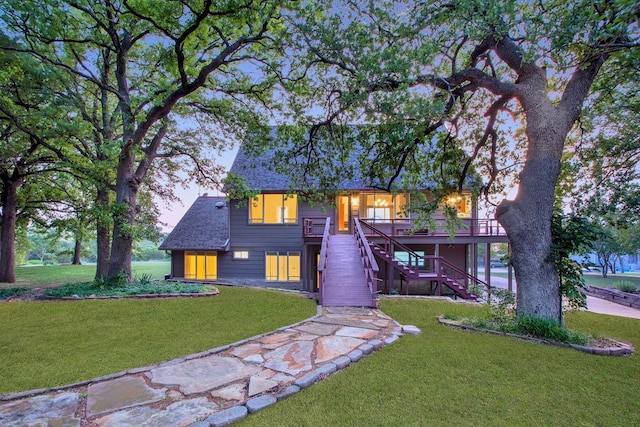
(314, 226)
(322, 263)
(473, 227)
(369, 262)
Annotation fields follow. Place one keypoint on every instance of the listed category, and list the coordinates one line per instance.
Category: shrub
(12, 292)
(103, 283)
(143, 280)
(625, 286)
(545, 328)
(151, 287)
(501, 302)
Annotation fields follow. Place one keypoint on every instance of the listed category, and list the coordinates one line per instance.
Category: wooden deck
(346, 284)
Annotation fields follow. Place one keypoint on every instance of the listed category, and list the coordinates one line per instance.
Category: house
(278, 238)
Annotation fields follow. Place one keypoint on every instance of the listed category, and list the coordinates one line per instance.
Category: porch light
(355, 201)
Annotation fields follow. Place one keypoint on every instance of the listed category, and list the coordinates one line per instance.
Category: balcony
(406, 228)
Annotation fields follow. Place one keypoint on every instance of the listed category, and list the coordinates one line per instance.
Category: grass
(448, 377)
(55, 275)
(45, 344)
(596, 279)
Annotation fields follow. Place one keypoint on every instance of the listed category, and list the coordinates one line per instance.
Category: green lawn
(44, 344)
(448, 377)
(595, 279)
(55, 275)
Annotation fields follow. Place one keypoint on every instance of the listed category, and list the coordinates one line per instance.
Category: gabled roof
(345, 173)
(259, 174)
(205, 226)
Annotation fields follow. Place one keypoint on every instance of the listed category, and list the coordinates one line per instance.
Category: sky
(171, 213)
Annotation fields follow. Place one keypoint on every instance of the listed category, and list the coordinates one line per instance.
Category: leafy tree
(29, 132)
(170, 60)
(508, 79)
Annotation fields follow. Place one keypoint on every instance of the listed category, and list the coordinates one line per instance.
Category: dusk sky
(170, 214)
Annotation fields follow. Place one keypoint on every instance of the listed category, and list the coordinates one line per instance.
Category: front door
(344, 214)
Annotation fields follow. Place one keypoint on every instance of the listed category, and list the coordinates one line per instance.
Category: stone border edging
(135, 296)
(622, 349)
(614, 295)
(133, 371)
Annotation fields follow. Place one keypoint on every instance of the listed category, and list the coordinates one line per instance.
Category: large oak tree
(170, 60)
(504, 81)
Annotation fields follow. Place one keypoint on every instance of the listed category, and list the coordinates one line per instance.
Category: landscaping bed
(593, 345)
(149, 289)
(102, 290)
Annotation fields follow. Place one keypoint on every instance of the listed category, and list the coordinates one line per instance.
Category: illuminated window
(273, 209)
(240, 254)
(461, 203)
(282, 266)
(201, 265)
(385, 207)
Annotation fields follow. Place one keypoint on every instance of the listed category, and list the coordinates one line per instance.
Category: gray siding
(260, 238)
(177, 263)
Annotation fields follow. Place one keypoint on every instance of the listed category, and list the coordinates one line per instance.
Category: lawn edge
(133, 371)
(621, 348)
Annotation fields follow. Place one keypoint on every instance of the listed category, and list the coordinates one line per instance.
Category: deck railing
(437, 267)
(322, 263)
(368, 262)
(314, 227)
(407, 227)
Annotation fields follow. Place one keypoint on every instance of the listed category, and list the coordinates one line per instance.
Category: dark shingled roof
(259, 175)
(205, 226)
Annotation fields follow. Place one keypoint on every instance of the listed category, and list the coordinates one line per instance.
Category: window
(403, 258)
(273, 209)
(282, 266)
(240, 254)
(201, 265)
(385, 207)
(461, 203)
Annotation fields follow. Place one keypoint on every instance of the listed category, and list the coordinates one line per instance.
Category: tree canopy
(151, 65)
(505, 82)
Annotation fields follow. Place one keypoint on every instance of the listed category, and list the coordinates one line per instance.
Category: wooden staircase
(346, 280)
(427, 268)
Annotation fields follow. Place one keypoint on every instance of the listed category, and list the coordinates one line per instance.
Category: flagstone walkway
(216, 387)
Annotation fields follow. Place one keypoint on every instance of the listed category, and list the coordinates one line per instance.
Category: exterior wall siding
(177, 263)
(258, 239)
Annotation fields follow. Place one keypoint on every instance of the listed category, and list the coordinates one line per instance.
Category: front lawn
(55, 275)
(449, 377)
(44, 344)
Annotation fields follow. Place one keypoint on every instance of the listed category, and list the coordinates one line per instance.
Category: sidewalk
(594, 305)
(601, 306)
(215, 387)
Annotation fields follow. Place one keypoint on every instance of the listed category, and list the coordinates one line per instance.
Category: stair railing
(433, 264)
(368, 262)
(322, 263)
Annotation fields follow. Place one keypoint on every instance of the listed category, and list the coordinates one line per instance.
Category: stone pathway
(212, 388)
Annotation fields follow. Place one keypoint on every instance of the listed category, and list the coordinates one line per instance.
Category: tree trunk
(8, 231)
(527, 219)
(102, 234)
(76, 253)
(124, 217)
